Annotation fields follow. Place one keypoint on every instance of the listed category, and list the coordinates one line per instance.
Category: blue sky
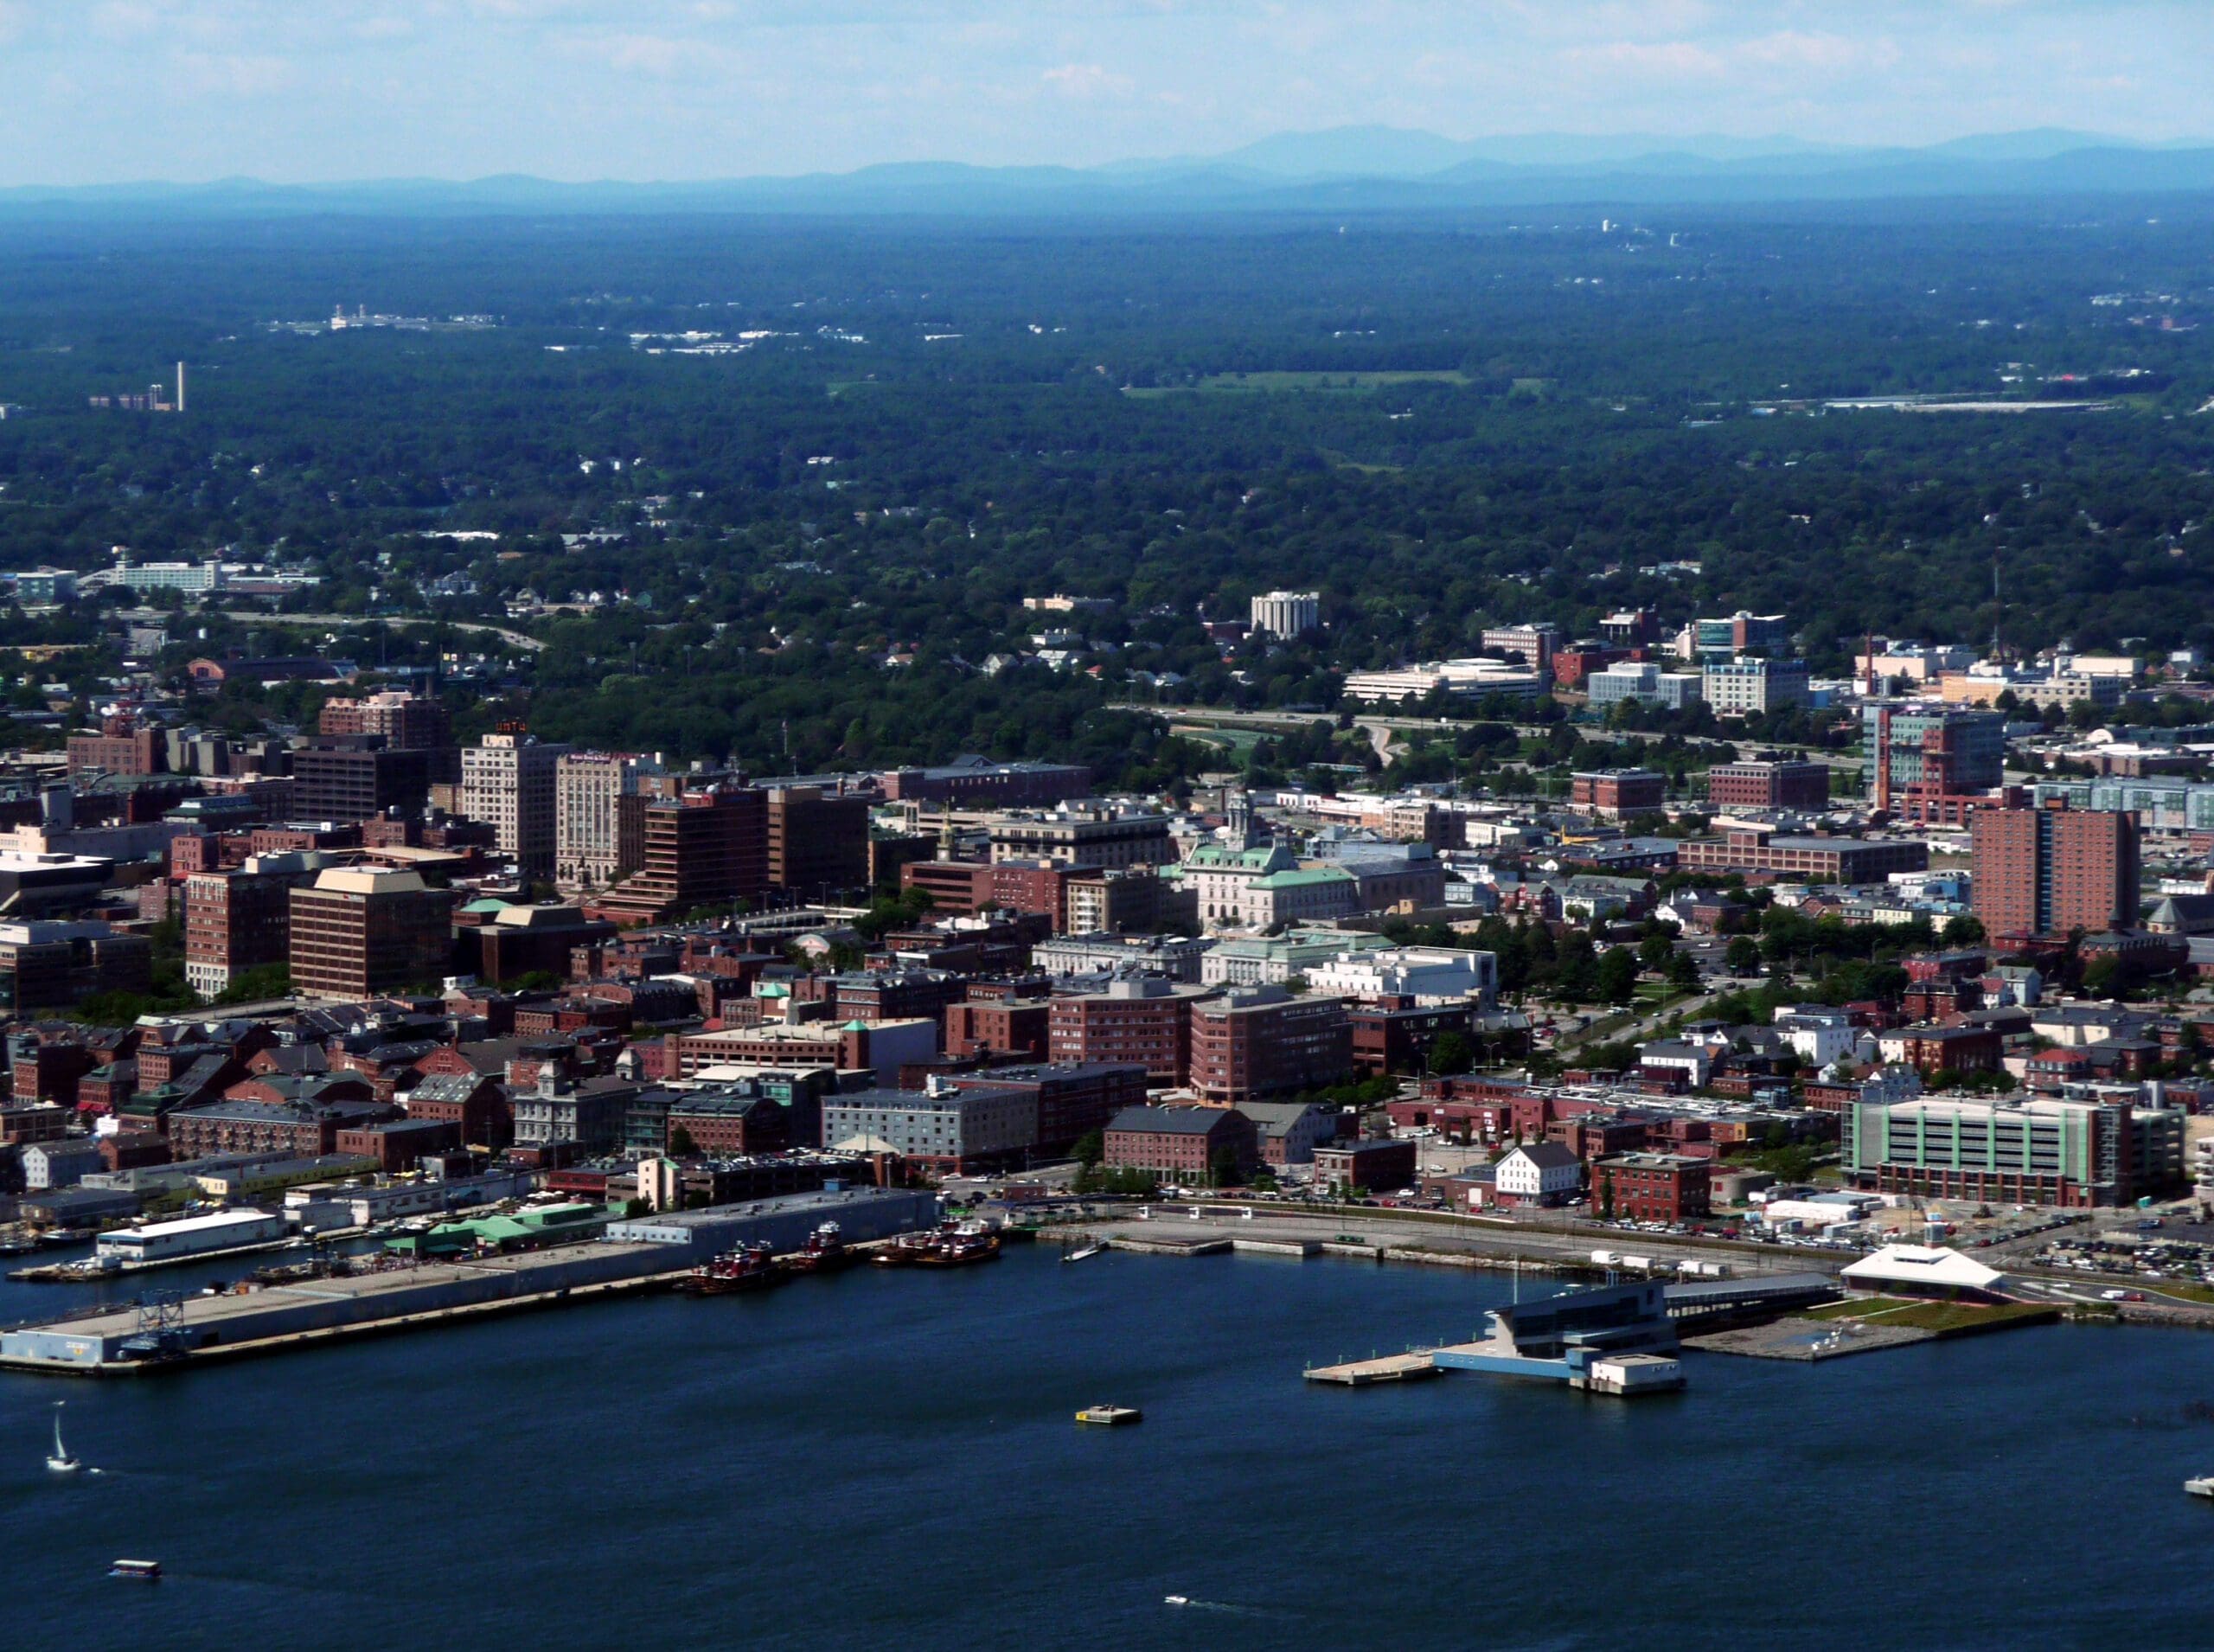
(104, 91)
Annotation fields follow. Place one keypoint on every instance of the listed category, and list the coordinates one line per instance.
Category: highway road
(1282, 719)
(513, 638)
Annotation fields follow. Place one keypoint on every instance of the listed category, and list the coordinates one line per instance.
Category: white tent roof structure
(1920, 1264)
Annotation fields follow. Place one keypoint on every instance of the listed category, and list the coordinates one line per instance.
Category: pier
(1389, 1367)
(645, 1254)
(1615, 1340)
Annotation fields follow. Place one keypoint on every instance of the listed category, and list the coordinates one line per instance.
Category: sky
(117, 91)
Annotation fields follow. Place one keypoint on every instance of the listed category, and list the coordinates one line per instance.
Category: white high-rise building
(508, 780)
(588, 789)
(1288, 613)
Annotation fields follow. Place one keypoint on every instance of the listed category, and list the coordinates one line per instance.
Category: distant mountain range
(1343, 169)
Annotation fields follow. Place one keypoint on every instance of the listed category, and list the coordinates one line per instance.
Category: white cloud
(1088, 80)
(237, 75)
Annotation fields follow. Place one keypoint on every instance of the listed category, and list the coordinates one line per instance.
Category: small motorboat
(59, 1459)
(1176, 1600)
(1083, 1253)
(143, 1571)
(2202, 1487)
(1110, 1416)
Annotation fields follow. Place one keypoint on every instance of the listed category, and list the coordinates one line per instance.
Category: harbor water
(890, 1459)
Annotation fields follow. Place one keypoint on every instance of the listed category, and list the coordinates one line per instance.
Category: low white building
(1816, 1213)
(1920, 1271)
(1541, 1173)
(1694, 1061)
(1426, 974)
(1818, 1036)
(1469, 679)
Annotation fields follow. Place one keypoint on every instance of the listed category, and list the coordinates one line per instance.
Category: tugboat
(749, 1267)
(825, 1252)
(905, 1251)
(970, 1242)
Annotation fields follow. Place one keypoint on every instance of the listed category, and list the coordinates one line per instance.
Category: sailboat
(59, 1459)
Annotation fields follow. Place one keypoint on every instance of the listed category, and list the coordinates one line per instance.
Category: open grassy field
(1927, 1315)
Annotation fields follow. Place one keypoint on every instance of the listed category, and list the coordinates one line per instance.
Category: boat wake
(1228, 1608)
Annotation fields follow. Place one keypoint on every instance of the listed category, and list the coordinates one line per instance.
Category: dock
(1615, 1339)
(1175, 1245)
(1388, 1368)
(643, 1254)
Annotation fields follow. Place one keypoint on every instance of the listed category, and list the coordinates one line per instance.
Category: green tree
(1449, 1053)
(1965, 929)
(263, 981)
(680, 1145)
(1618, 974)
(1683, 973)
(1090, 1149)
(1744, 956)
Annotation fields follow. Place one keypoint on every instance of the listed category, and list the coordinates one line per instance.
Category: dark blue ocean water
(889, 1460)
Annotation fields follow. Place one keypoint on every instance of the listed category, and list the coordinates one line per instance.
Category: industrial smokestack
(180, 387)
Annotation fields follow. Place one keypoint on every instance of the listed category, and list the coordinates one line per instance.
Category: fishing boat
(2202, 1487)
(59, 1459)
(825, 1252)
(143, 1571)
(1084, 1251)
(749, 1267)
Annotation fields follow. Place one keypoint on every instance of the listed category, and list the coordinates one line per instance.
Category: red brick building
(1141, 1022)
(1011, 1027)
(1573, 664)
(816, 841)
(957, 888)
(1619, 791)
(2048, 871)
(307, 1129)
(1652, 1188)
(1395, 1035)
(402, 1144)
(1261, 1042)
(1598, 1136)
(1373, 1166)
(122, 746)
(1816, 860)
(1180, 1143)
(730, 1126)
(1072, 1101)
(695, 850)
(1768, 784)
(475, 1105)
(356, 933)
(234, 921)
(1957, 1049)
